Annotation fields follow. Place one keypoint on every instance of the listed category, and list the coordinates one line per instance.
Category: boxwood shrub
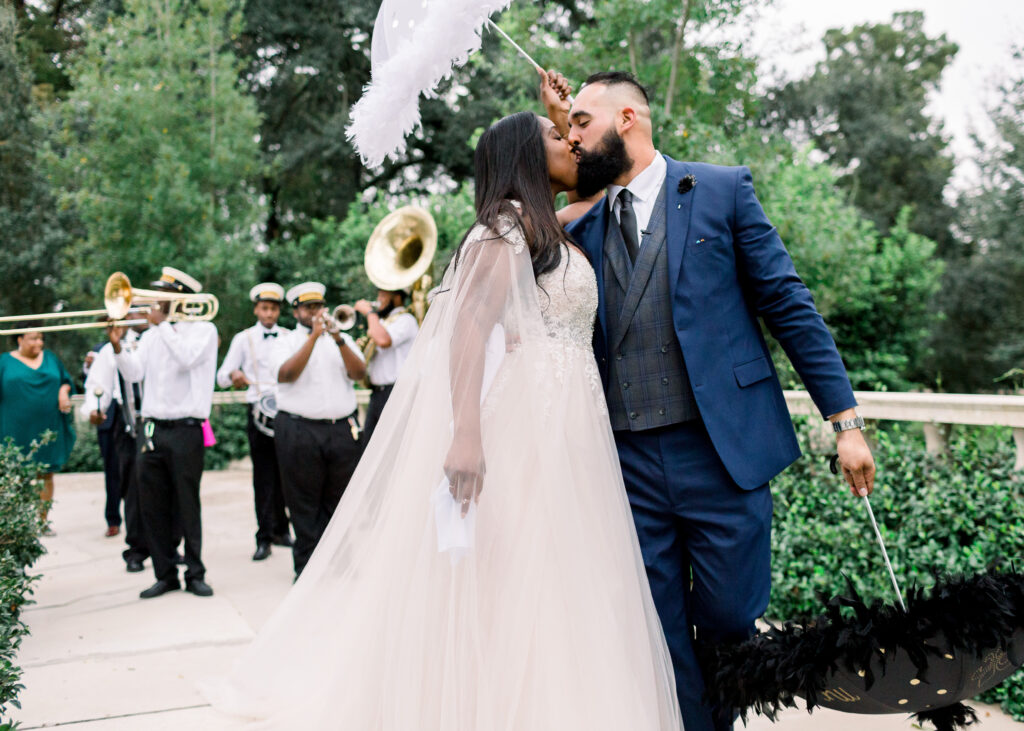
(958, 513)
(20, 527)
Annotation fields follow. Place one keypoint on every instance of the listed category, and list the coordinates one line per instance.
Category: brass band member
(178, 363)
(315, 432)
(249, 365)
(391, 329)
(107, 394)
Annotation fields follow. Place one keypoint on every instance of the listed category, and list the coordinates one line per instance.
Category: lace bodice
(568, 299)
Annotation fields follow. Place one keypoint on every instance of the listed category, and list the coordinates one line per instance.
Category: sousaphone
(400, 255)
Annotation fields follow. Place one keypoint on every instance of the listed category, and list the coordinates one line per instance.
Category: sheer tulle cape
(548, 623)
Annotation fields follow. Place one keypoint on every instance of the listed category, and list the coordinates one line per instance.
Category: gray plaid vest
(648, 385)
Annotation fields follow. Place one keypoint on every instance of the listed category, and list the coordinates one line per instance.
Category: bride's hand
(464, 467)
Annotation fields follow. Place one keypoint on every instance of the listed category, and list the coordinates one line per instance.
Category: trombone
(120, 300)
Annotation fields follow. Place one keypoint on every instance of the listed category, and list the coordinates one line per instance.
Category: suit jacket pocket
(752, 371)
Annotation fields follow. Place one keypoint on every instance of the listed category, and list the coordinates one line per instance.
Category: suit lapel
(678, 208)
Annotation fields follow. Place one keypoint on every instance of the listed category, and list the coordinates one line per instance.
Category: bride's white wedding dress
(548, 622)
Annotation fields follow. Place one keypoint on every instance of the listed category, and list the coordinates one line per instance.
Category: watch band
(848, 424)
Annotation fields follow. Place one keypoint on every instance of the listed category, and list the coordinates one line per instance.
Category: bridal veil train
(548, 622)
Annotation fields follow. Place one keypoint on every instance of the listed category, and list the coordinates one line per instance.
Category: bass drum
(263, 413)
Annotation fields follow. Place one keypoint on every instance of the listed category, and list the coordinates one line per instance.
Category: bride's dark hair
(511, 165)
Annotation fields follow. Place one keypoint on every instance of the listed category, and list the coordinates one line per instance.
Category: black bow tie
(270, 335)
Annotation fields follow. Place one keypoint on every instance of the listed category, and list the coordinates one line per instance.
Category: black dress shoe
(282, 540)
(133, 566)
(159, 588)
(262, 552)
(198, 587)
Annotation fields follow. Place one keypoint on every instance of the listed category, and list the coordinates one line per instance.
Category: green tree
(982, 334)
(156, 151)
(864, 108)
(34, 232)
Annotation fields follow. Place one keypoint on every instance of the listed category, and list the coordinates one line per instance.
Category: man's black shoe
(282, 540)
(198, 587)
(133, 566)
(262, 552)
(159, 588)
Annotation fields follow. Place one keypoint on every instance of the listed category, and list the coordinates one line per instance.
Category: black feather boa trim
(765, 673)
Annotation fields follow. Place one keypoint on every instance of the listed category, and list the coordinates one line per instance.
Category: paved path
(101, 659)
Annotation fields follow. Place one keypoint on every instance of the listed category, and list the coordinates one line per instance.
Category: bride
(546, 621)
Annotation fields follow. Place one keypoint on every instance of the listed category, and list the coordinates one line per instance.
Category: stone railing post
(936, 438)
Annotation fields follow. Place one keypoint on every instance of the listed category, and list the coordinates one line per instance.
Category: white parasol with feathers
(416, 45)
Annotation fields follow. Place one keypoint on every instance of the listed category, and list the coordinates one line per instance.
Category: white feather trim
(389, 107)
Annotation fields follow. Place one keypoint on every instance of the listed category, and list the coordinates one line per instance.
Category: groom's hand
(856, 460)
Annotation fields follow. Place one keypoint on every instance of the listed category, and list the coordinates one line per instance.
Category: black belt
(382, 389)
(171, 423)
(317, 421)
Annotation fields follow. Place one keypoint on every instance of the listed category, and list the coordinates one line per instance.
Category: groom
(687, 262)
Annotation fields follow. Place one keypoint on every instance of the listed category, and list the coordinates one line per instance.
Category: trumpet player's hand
(363, 307)
(319, 326)
(97, 417)
(239, 380)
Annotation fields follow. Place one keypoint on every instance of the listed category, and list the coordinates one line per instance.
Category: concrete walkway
(101, 659)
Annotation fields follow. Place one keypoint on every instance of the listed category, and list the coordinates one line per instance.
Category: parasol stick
(885, 554)
(516, 45)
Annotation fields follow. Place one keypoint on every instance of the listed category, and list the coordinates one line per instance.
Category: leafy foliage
(864, 108)
(20, 526)
(958, 514)
(153, 151)
(33, 229)
(982, 334)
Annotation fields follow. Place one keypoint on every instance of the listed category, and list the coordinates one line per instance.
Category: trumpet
(343, 317)
(119, 301)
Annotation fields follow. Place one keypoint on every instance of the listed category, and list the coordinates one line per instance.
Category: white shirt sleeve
(187, 350)
(101, 375)
(402, 330)
(234, 360)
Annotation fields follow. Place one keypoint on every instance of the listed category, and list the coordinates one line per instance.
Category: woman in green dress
(35, 396)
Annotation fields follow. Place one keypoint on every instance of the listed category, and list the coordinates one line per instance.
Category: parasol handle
(885, 555)
(516, 45)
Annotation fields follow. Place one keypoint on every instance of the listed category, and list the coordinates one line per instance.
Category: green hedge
(960, 513)
(20, 527)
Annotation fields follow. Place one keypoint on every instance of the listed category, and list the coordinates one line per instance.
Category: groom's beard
(599, 168)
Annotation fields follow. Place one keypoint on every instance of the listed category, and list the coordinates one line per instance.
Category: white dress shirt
(323, 390)
(253, 354)
(178, 364)
(103, 375)
(383, 368)
(645, 187)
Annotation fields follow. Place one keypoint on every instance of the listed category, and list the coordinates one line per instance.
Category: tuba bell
(400, 254)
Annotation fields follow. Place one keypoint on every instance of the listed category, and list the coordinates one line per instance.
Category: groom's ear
(627, 119)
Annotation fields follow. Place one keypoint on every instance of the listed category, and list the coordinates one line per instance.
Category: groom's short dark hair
(618, 78)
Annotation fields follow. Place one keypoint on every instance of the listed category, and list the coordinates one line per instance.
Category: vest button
(664, 348)
(664, 381)
(661, 412)
(618, 357)
(626, 384)
(633, 415)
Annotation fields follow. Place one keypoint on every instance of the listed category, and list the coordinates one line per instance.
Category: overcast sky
(788, 36)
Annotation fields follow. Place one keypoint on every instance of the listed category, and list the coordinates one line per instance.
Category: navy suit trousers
(706, 546)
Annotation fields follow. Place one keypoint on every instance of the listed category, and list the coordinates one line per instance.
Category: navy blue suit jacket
(727, 268)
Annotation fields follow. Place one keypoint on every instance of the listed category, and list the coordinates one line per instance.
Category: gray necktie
(627, 222)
